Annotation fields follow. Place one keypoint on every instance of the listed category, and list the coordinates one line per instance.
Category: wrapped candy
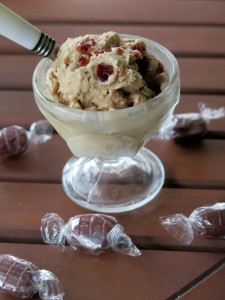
(92, 233)
(189, 126)
(15, 140)
(40, 132)
(22, 279)
(206, 221)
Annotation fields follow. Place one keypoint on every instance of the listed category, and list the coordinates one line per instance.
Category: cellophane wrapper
(206, 221)
(16, 141)
(22, 279)
(40, 132)
(89, 233)
(189, 125)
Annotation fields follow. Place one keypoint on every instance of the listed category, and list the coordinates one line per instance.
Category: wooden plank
(202, 82)
(178, 12)
(208, 40)
(191, 103)
(24, 204)
(39, 164)
(17, 71)
(191, 165)
(18, 107)
(206, 287)
(155, 274)
(13, 104)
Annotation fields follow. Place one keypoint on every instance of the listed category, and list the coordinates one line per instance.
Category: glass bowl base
(113, 185)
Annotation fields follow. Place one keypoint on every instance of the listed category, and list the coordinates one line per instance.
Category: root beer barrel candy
(189, 127)
(206, 221)
(16, 276)
(183, 127)
(22, 279)
(209, 221)
(87, 231)
(13, 141)
(91, 233)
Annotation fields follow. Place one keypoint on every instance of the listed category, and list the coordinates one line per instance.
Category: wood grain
(154, 274)
(205, 287)
(142, 11)
(24, 204)
(191, 165)
(208, 41)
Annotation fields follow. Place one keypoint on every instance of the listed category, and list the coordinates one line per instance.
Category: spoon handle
(25, 34)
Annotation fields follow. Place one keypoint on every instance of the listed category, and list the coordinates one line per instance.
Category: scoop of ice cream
(103, 72)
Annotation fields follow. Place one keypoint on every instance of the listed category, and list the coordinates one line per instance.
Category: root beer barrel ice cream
(104, 72)
(108, 94)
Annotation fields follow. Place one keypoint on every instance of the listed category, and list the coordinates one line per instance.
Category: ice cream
(93, 88)
(104, 72)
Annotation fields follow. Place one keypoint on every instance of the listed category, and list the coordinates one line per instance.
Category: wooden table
(31, 186)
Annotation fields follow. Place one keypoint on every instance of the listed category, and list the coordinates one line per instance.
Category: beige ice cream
(104, 72)
(94, 77)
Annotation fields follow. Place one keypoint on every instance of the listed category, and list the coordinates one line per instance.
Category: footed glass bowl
(111, 171)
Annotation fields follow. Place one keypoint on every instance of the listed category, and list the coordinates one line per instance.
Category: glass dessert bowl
(111, 171)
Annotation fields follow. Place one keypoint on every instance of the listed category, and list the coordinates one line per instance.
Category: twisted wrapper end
(179, 227)
(52, 229)
(47, 285)
(120, 242)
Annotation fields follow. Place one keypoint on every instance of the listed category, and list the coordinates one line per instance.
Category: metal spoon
(25, 34)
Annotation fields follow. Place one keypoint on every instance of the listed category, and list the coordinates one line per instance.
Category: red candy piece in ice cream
(119, 51)
(104, 71)
(138, 47)
(100, 51)
(85, 46)
(82, 61)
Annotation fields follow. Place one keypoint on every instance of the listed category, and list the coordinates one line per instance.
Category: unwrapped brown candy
(15, 140)
(92, 233)
(189, 126)
(22, 279)
(206, 221)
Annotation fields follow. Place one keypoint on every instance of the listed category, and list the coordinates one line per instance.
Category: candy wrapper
(15, 141)
(189, 126)
(206, 221)
(91, 233)
(22, 279)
